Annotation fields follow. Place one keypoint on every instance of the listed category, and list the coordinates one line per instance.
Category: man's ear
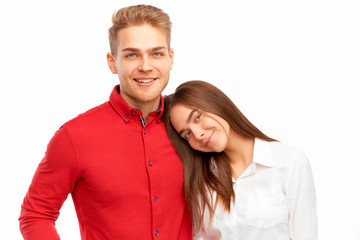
(171, 56)
(111, 62)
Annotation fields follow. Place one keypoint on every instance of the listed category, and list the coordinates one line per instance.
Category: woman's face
(204, 131)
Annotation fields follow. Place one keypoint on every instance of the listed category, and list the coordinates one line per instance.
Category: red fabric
(102, 157)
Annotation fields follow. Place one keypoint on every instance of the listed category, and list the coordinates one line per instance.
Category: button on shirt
(125, 178)
(274, 199)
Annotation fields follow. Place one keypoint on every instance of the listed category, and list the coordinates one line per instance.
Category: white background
(292, 68)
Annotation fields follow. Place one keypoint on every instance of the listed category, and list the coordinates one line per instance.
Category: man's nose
(145, 64)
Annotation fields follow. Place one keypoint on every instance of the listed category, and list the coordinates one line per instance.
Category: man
(116, 159)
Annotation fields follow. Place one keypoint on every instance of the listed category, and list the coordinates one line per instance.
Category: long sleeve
(54, 179)
(301, 200)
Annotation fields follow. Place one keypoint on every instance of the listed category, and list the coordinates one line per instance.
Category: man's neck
(145, 107)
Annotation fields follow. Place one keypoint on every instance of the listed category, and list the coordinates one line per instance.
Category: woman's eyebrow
(188, 119)
(191, 114)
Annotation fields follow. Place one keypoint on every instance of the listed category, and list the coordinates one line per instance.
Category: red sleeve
(54, 179)
(185, 232)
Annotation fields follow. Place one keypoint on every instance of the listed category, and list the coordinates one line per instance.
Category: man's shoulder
(90, 116)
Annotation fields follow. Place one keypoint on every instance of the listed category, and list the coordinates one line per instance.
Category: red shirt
(126, 180)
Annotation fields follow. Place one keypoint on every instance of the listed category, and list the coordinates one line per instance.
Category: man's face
(143, 63)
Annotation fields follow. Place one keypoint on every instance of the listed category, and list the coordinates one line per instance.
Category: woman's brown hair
(200, 179)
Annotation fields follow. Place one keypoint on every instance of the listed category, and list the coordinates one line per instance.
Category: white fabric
(274, 199)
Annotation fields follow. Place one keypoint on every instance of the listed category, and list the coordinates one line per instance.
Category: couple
(143, 167)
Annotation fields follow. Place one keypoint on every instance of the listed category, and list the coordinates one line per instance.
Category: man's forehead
(141, 37)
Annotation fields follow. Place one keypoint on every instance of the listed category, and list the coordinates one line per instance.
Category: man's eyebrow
(158, 48)
(188, 120)
(131, 50)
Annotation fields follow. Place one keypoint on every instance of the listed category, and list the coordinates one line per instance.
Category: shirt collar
(126, 112)
(262, 153)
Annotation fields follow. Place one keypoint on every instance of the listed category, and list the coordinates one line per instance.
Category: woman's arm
(301, 199)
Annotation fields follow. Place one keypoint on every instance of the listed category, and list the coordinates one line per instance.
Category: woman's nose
(198, 134)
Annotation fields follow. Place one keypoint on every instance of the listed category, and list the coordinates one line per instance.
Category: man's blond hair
(136, 16)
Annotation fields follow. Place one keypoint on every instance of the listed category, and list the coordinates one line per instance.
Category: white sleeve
(301, 200)
(197, 233)
(207, 231)
(196, 237)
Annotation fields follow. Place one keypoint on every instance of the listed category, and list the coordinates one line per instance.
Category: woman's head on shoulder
(203, 130)
(205, 117)
(196, 113)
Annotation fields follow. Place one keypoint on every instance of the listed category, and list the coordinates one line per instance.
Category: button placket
(154, 189)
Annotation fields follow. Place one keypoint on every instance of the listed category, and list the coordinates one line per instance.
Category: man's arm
(54, 179)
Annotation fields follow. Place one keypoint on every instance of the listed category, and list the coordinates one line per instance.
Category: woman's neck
(240, 153)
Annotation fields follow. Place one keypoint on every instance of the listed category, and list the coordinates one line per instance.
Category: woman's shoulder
(285, 154)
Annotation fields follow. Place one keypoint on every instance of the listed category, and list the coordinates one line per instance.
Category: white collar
(262, 153)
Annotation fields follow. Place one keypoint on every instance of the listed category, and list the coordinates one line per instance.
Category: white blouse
(274, 199)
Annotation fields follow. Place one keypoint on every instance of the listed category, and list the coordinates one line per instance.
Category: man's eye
(157, 54)
(198, 117)
(131, 55)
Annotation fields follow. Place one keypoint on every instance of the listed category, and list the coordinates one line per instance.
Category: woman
(238, 182)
